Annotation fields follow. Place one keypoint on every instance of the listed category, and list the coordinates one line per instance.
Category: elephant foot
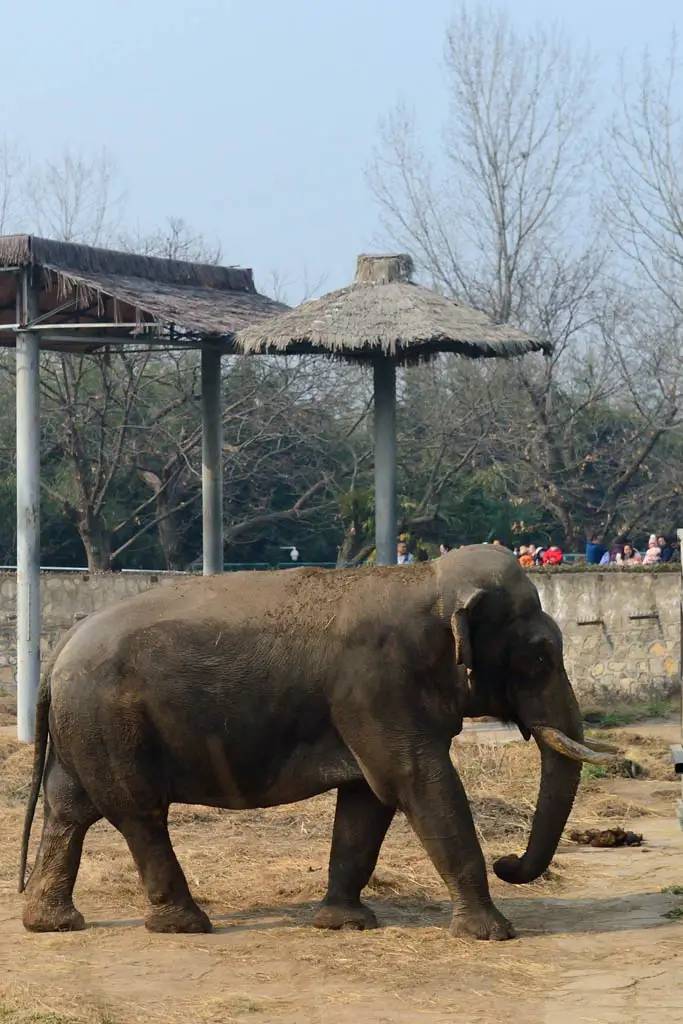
(355, 916)
(174, 918)
(62, 917)
(487, 923)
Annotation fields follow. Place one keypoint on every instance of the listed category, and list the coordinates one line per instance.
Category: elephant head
(512, 652)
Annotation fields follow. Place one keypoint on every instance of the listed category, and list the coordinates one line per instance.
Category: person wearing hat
(653, 555)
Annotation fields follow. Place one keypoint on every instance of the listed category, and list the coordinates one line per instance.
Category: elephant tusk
(570, 748)
(600, 745)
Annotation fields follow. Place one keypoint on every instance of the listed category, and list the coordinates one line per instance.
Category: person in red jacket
(553, 555)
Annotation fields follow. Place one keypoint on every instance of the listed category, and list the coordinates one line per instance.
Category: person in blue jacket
(594, 550)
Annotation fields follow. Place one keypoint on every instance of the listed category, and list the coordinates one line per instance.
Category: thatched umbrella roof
(384, 311)
(385, 319)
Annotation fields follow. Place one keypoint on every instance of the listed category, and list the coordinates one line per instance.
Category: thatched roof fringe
(199, 301)
(406, 353)
(30, 250)
(86, 295)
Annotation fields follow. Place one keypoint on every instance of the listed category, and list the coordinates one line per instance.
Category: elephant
(255, 689)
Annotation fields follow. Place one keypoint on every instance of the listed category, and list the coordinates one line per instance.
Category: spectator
(672, 549)
(667, 548)
(629, 555)
(605, 560)
(444, 548)
(653, 555)
(595, 550)
(403, 556)
(538, 554)
(617, 548)
(526, 556)
(553, 555)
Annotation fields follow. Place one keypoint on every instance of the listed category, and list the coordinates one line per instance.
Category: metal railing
(227, 567)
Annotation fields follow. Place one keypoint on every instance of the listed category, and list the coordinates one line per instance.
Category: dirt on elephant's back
(601, 938)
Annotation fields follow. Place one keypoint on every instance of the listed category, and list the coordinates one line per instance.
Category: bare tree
(279, 286)
(75, 198)
(497, 222)
(511, 164)
(644, 168)
(11, 169)
(647, 340)
(176, 240)
(443, 428)
(280, 425)
(89, 408)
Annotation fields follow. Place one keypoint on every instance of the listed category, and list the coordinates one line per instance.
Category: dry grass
(16, 760)
(489, 770)
(29, 1006)
(648, 752)
(8, 710)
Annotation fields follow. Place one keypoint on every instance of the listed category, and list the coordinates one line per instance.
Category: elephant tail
(39, 755)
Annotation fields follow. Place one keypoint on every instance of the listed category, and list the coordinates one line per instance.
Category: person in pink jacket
(653, 555)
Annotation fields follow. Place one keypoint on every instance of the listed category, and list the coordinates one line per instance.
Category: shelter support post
(212, 461)
(384, 369)
(28, 514)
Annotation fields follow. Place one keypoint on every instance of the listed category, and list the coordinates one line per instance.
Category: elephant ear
(460, 626)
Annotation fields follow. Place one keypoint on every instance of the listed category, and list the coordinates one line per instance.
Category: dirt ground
(595, 943)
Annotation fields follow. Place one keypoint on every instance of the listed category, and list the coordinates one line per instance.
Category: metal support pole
(212, 461)
(28, 515)
(385, 460)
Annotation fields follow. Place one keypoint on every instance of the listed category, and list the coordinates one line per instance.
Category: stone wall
(621, 630)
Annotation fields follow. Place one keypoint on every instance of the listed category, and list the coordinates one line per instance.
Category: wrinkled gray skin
(256, 689)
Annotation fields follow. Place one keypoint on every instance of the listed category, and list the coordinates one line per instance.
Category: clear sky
(254, 119)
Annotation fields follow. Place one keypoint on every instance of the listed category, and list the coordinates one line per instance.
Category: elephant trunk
(560, 773)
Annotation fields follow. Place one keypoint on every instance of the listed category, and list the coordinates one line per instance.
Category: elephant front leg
(360, 825)
(433, 798)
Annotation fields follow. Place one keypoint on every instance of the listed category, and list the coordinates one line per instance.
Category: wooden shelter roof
(104, 295)
(385, 311)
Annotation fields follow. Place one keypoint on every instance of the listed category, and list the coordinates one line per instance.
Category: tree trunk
(354, 544)
(167, 530)
(96, 540)
(165, 487)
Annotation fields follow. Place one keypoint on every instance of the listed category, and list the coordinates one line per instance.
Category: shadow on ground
(535, 916)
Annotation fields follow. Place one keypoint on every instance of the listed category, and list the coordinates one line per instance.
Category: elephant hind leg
(360, 825)
(68, 814)
(172, 908)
